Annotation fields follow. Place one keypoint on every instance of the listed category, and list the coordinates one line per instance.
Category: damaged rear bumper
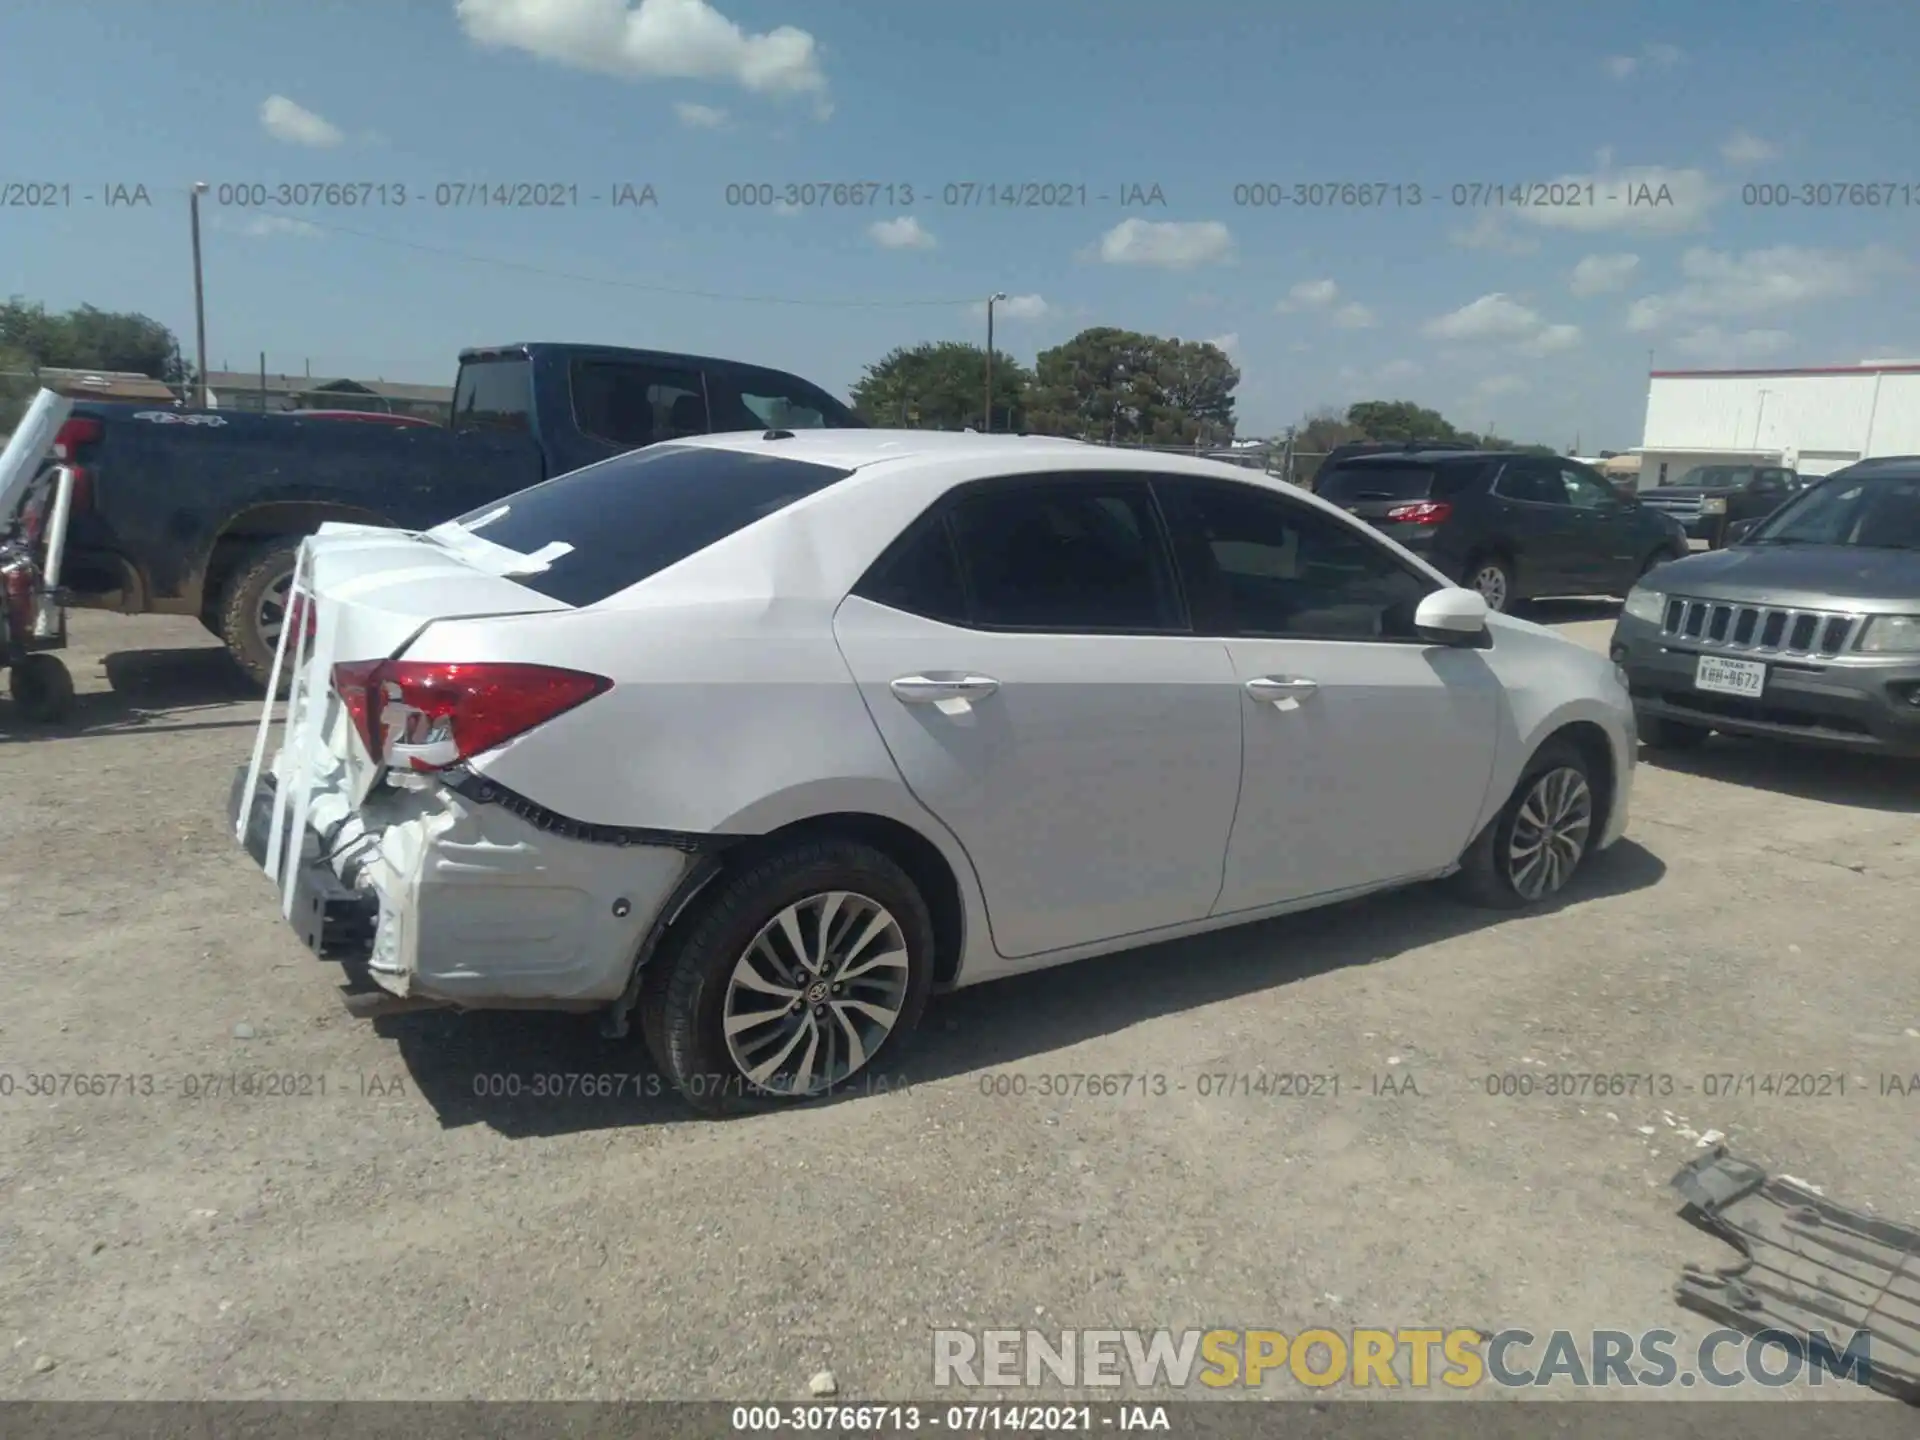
(430, 896)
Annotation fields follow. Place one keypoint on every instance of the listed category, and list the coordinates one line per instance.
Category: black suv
(1511, 526)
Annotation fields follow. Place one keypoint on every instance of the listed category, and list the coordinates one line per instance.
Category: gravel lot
(401, 1236)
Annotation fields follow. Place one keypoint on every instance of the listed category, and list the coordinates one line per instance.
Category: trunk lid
(373, 592)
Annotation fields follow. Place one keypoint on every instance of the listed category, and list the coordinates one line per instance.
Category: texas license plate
(1729, 677)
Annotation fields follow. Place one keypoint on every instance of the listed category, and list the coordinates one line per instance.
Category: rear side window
(920, 575)
(626, 403)
(634, 515)
(494, 395)
(1080, 555)
(1351, 484)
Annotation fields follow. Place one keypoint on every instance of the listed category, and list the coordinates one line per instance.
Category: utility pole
(987, 428)
(199, 293)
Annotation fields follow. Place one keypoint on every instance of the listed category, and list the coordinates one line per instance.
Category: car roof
(1881, 467)
(1431, 457)
(859, 449)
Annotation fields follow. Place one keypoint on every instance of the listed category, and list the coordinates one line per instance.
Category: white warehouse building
(1813, 421)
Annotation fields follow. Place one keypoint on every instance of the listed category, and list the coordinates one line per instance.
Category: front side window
(1070, 555)
(1584, 492)
(1284, 569)
(769, 400)
(628, 403)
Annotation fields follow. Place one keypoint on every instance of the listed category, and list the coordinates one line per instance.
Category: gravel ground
(387, 1231)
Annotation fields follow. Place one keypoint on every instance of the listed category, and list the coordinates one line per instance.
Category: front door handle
(1281, 687)
(928, 690)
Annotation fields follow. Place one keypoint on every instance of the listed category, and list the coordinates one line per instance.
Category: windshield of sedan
(1864, 512)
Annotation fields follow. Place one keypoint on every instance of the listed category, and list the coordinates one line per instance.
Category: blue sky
(1486, 312)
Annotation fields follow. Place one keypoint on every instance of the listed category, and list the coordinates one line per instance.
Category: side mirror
(1452, 617)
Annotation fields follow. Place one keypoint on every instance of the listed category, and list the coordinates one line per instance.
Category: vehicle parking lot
(207, 1167)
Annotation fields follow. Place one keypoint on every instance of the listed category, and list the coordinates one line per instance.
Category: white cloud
(1016, 307)
(1650, 198)
(654, 40)
(1741, 148)
(1397, 370)
(1353, 317)
(1491, 317)
(700, 117)
(1715, 346)
(1309, 295)
(1658, 56)
(786, 207)
(1169, 244)
(297, 125)
(902, 233)
(1598, 274)
(1487, 233)
(1721, 285)
(263, 227)
(1230, 343)
(1499, 319)
(1494, 385)
(1551, 340)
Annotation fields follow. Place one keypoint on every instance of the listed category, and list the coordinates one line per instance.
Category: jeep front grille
(1768, 629)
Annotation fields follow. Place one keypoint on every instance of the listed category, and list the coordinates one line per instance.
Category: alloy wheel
(270, 616)
(1550, 832)
(1491, 582)
(816, 994)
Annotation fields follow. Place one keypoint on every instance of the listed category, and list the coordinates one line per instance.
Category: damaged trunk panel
(1808, 1268)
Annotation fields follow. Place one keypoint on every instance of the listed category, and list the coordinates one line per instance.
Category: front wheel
(788, 984)
(1535, 844)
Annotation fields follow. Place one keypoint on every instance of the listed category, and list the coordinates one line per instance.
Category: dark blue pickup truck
(201, 512)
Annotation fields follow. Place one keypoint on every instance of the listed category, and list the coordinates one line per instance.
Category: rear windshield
(634, 515)
(1350, 484)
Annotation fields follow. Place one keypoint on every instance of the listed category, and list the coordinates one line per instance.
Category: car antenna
(778, 435)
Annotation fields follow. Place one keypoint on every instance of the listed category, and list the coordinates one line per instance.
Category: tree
(1323, 430)
(1119, 385)
(1400, 420)
(941, 385)
(92, 339)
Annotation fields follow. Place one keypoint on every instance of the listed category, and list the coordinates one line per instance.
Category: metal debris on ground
(1808, 1266)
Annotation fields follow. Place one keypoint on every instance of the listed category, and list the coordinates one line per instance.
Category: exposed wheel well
(913, 853)
(249, 530)
(1591, 741)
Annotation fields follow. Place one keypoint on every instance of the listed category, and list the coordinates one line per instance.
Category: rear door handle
(929, 690)
(1281, 687)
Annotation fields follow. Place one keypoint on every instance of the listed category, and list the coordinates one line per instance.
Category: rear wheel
(1659, 733)
(792, 979)
(253, 608)
(42, 687)
(1535, 844)
(1493, 578)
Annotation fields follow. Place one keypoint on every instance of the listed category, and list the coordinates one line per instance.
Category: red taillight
(428, 715)
(1421, 512)
(77, 431)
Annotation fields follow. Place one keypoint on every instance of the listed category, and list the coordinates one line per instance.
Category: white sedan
(767, 737)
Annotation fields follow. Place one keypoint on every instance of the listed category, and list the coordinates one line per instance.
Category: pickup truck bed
(201, 512)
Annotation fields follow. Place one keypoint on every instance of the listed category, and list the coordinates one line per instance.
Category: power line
(621, 284)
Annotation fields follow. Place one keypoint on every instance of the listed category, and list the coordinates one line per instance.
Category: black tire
(1659, 733)
(241, 603)
(41, 687)
(1487, 874)
(1478, 574)
(683, 1001)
